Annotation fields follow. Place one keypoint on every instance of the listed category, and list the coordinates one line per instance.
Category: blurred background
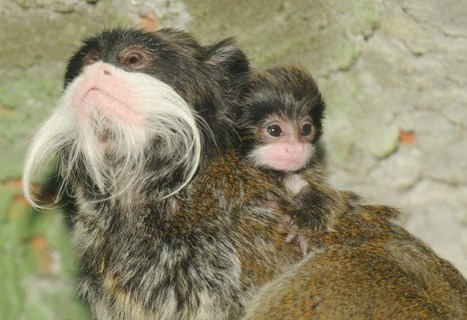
(394, 74)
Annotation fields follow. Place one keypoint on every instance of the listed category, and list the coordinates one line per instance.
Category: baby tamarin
(361, 265)
(280, 123)
(172, 222)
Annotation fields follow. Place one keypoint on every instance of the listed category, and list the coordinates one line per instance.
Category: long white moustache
(114, 149)
(58, 131)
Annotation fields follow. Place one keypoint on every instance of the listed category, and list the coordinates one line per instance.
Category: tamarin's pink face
(284, 144)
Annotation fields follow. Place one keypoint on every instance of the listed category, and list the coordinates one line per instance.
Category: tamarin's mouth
(108, 104)
(103, 87)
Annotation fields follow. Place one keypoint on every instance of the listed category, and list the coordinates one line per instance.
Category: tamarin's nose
(107, 72)
(296, 148)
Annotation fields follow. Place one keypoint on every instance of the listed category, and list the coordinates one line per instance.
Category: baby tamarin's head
(140, 106)
(281, 119)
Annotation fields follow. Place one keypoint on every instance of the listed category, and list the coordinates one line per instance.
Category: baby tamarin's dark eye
(133, 59)
(274, 130)
(306, 129)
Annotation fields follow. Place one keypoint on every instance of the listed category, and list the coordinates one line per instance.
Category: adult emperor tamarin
(172, 222)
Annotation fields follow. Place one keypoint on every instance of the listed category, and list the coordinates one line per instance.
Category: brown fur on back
(367, 267)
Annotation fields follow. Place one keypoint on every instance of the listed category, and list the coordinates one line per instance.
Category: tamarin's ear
(231, 60)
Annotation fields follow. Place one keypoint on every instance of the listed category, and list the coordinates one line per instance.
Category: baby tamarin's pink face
(281, 118)
(284, 144)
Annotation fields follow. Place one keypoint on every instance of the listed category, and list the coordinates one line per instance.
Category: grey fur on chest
(139, 268)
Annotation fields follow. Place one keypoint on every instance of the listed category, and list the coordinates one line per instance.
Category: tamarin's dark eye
(274, 130)
(133, 59)
(306, 129)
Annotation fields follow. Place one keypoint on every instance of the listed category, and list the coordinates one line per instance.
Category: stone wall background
(394, 75)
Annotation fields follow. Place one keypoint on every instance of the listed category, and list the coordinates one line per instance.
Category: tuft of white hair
(115, 151)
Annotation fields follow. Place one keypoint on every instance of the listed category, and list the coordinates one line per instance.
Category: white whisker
(114, 152)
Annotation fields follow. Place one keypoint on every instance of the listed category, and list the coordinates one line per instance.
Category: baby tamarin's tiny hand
(313, 210)
(293, 226)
